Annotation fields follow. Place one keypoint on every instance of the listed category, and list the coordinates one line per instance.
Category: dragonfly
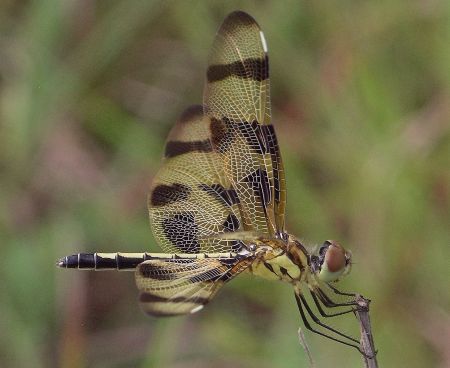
(217, 204)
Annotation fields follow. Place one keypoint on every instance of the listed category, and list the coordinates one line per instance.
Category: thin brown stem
(304, 344)
(367, 343)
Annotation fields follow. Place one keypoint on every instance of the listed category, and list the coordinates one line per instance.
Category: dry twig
(367, 344)
(304, 344)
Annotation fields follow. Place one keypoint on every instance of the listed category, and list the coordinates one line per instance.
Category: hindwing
(172, 287)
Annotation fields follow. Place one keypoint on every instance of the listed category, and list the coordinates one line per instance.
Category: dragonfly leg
(319, 322)
(325, 299)
(302, 302)
(322, 312)
(337, 291)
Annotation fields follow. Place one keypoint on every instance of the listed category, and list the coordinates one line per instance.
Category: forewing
(191, 200)
(171, 287)
(237, 101)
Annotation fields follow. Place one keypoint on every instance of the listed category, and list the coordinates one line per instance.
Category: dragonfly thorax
(280, 259)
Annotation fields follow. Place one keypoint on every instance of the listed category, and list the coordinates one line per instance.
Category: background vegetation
(88, 92)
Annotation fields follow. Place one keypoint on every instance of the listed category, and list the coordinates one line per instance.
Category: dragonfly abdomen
(127, 261)
(104, 261)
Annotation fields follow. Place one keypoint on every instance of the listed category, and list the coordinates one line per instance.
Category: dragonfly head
(332, 261)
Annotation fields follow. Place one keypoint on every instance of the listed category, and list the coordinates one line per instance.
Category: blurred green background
(88, 92)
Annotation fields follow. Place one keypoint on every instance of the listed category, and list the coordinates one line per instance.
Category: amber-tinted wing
(192, 201)
(237, 101)
(222, 171)
(172, 287)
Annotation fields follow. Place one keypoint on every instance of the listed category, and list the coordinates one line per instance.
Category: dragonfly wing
(191, 199)
(237, 100)
(222, 170)
(172, 287)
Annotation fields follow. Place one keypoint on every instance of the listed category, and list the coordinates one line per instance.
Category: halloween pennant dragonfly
(217, 205)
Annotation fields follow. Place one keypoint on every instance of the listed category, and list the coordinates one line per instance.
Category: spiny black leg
(322, 312)
(337, 291)
(325, 299)
(320, 323)
(308, 326)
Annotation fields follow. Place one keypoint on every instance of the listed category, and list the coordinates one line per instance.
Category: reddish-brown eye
(335, 257)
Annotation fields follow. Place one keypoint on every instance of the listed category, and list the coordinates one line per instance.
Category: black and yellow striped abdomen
(127, 261)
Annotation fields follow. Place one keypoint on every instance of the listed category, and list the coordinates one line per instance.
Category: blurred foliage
(88, 92)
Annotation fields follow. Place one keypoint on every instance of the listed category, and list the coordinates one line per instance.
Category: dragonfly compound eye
(335, 262)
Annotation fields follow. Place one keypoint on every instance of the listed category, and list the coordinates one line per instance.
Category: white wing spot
(197, 308)
(263, 40)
